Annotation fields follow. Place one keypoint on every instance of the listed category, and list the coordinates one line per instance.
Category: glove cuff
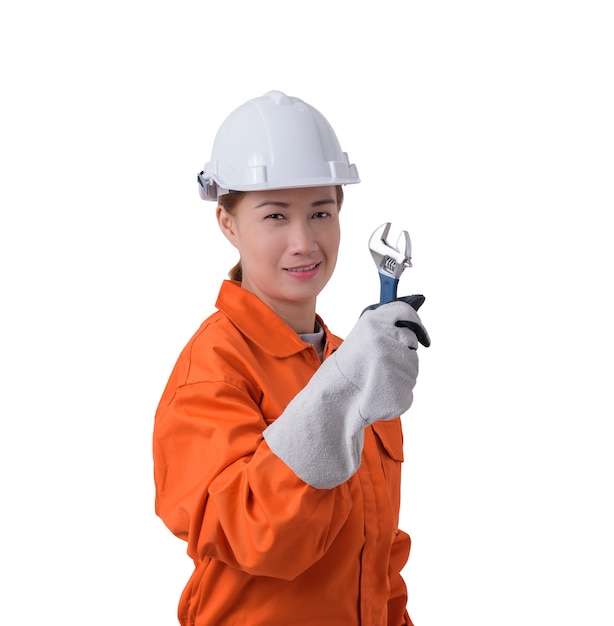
(320, 435)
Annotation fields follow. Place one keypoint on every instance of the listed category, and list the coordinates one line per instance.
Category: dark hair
(230, 200)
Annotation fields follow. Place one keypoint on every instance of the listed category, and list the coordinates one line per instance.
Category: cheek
(261, 249)
(333, 239)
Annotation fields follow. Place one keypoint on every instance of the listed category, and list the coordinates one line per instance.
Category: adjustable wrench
(390, 260)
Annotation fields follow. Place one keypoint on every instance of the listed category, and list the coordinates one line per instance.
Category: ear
(227, 224)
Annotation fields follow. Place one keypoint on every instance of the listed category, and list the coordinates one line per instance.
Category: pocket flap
(390, 434)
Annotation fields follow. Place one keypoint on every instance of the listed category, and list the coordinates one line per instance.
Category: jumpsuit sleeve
(220, 487)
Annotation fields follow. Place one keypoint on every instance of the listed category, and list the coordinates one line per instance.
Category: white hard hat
(274, 142)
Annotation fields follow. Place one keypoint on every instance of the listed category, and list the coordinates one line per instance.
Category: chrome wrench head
(390, 260)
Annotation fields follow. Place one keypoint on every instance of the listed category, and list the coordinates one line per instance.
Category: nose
(302, 239)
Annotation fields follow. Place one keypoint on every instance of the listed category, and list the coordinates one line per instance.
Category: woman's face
(288, 240)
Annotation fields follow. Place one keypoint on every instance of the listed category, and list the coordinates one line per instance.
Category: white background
(484, 128)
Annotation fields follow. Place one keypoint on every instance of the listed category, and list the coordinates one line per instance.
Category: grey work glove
(371, 376)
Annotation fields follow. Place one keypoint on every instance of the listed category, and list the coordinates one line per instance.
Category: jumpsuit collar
(262, 325)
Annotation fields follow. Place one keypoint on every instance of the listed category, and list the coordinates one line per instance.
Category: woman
(277, 448)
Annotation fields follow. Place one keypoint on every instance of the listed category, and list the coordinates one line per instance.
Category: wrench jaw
(390, 260)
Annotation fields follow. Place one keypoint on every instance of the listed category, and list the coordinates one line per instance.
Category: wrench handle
(388, 288)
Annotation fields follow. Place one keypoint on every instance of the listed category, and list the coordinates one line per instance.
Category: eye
(321, 214)
(274, 216)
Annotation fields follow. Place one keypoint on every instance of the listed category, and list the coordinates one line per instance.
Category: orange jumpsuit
(268, 549)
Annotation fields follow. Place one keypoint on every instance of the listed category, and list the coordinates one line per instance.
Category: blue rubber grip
(388, 288)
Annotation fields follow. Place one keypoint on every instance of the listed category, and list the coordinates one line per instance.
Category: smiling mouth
(304, 268)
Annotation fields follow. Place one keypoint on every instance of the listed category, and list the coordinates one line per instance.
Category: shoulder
(216, 352)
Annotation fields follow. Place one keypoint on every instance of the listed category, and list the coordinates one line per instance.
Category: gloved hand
(370, 377)
(379, 358)
(415, 301)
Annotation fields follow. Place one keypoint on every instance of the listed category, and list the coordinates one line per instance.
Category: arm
(371, 377)
(219, 486)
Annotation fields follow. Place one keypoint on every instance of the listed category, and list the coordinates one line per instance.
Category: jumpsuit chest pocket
(390, 436)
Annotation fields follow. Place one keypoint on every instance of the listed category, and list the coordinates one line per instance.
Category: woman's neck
(300, 317)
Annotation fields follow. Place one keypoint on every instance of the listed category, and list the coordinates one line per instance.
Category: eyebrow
(285, 205)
